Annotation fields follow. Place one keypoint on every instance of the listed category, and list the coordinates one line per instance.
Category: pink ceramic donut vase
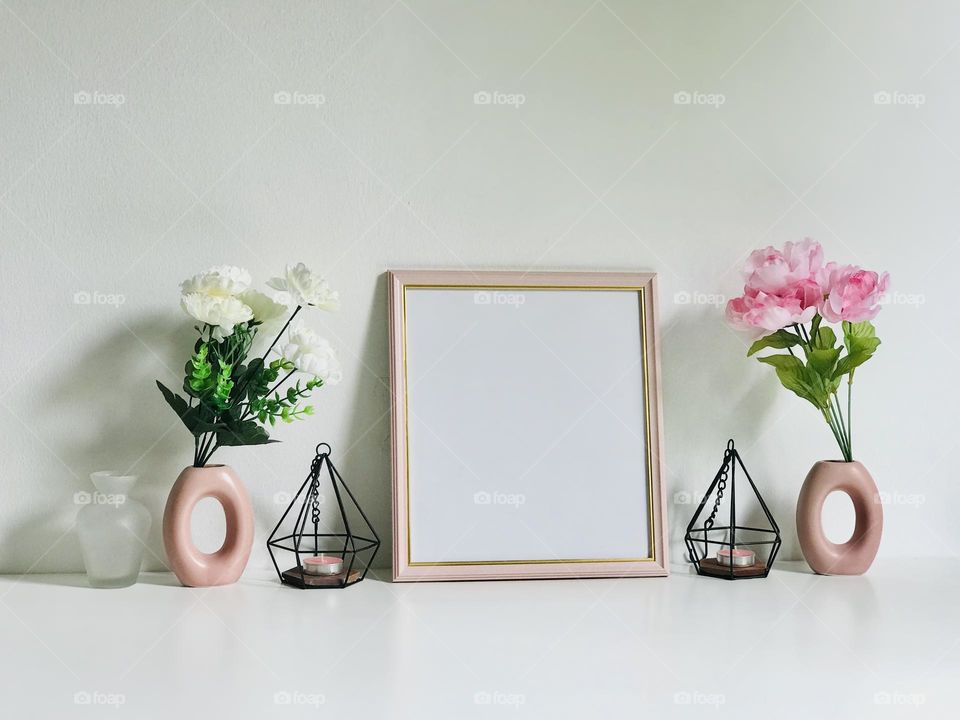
(855, 556)
(192, 567)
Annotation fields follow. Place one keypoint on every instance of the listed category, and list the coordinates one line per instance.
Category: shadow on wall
(365, 462)
(363, 454)
(112, 386)
(696, 433)
(125, 426)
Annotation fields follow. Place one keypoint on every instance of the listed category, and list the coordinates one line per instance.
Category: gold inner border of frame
(640, 290)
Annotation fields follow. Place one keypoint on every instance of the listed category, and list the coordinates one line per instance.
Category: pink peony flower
(764, 313)
(782, 288)
(851, 293)
(778, 272)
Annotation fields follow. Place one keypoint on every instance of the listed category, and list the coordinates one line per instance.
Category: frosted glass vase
(113, 530)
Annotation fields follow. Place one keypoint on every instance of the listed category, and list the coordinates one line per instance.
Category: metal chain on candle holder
(315, 467)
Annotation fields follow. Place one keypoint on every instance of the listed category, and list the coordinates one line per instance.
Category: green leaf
(253, 369)
(823, 361)
(785, 362)
(824, 338)
(256, 381)
(861, 342)
(815, 325)
(779, 340)
(247, 432)
(199, 371)
(192, 417)
(860, 337)
(223, 387)
(860, 329)
(822, 356)
(176, 402)
(798, 378)
(849, 363)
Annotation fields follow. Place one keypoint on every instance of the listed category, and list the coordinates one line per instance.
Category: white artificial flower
(218, 281)
(305, 287)
(223, 313)
(264, 307)
(312, 354)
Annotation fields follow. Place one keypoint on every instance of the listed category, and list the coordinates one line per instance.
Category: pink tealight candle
(322, 565)
(738, 557)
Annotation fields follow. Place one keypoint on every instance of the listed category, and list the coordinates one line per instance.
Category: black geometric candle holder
(738, 540)
(335, 558)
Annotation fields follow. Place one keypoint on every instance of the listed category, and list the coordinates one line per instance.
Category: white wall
(598, 169)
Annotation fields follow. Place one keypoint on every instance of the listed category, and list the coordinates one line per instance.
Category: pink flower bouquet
(788, 296)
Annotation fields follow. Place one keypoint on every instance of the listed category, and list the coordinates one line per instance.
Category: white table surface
(794, 645)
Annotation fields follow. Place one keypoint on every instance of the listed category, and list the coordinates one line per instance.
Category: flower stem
(833, 429)
(205, 451)
(210, 453)
(282, 331)
(203, 443)
(841, 437)
(850, 417)
(799, 332)
(843, 425)
(286, 377)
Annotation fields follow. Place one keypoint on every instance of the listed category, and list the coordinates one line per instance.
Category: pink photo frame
(423, 479)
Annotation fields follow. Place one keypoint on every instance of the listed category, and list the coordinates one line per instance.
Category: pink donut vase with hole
(855, 556)
(191, 566)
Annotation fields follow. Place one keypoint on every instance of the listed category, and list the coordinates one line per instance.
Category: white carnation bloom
(264, 307)
(219, 281)
(223, 313)
(312, 354)
(305, 287)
